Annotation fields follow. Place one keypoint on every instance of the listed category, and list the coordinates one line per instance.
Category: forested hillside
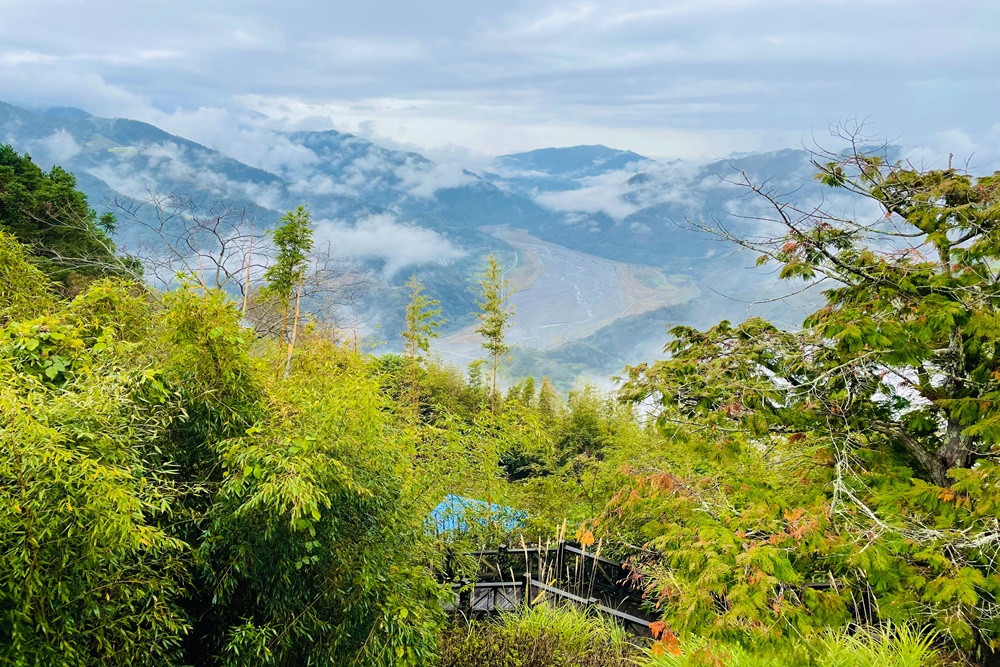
(191, 478)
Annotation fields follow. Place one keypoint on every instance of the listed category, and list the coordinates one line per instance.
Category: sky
(460, 80)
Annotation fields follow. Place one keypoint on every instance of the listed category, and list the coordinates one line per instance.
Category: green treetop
(494, 319)
(422, 322)
(294, 240)
(46, 212)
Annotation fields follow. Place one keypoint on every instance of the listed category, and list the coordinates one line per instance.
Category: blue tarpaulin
(457, 512)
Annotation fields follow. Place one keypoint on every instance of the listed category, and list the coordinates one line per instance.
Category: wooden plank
(622, 615)
(560, 592)
(599, 559)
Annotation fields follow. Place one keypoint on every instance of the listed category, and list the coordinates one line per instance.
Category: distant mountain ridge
(573, 161)
(400, 212)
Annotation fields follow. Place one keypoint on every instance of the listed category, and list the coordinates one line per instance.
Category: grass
(889, 646)
(561, 636)
(542, 636)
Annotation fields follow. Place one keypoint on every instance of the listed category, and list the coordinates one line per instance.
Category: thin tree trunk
(281, 339)
(201, 274)
(246, 285)
(493, 397)
(295, 329)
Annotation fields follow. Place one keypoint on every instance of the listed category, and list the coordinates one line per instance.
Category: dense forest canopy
(46, 212)
(178, 488)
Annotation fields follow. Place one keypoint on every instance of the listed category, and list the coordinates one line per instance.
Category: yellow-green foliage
(539, 637)
(163, 500)
(86, 575)
(890, 646)
(24, 289)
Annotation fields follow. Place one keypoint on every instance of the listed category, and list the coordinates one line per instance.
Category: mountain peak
(64, 112)
(571, 161)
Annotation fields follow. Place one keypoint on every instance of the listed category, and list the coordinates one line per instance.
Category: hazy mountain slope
(555, 169)
(397, 213)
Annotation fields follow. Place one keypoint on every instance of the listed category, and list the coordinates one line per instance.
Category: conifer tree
(294, 241)
(547, 399)
(528, 392)
(422, 322)
(494, 320)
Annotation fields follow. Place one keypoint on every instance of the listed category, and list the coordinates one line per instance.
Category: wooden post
(560, 558)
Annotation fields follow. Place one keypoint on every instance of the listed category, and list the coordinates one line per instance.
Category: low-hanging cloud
(251, 138)
(598, 194)
(423, 179)
(60, 146)
(382, 237)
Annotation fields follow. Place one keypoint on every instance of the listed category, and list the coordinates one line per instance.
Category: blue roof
(455, 513)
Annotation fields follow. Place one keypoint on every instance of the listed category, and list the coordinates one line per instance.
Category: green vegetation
(887, 647)
(821, 497)
(46, 212)
(539, 637)
(293, 239)
(494, 321)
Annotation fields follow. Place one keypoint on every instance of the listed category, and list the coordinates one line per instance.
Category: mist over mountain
(597, 241)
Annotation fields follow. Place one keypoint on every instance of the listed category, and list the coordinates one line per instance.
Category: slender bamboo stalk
(295, 328)
(281, 340)
(246, 284)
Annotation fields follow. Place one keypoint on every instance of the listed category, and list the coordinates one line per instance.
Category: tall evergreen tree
(494, 320)
(422, 322)
(294, 240)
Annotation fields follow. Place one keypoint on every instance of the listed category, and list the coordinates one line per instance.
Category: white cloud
(162, 167)
(353, 50)
(61, 146)
(25, 57)
(685, 78)
(382, 237)
(434, 128)
(599, 194)
(979, 153)
(250, 138)
(423, 180)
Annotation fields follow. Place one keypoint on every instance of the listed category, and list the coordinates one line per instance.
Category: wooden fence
(510, 577)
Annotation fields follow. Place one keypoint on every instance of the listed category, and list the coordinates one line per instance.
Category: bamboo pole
(295, 328)
(281, 339)
(246, 284)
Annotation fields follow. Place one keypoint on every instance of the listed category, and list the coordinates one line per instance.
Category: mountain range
(597, 240)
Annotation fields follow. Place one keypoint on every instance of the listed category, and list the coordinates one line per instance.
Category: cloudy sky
(667, 78)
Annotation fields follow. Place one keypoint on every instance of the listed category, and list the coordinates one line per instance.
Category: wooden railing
(511, 577)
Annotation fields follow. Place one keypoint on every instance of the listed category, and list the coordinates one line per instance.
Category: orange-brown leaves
(668, 643)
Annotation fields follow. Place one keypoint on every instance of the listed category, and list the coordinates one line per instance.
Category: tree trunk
(295, 328)
(246, 285)
(281, 339)
(493, 396)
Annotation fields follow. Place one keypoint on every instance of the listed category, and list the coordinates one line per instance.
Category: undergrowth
(558, 636)
(890, 646)
(542, 636)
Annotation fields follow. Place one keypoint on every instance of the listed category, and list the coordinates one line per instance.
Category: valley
(562, 295)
